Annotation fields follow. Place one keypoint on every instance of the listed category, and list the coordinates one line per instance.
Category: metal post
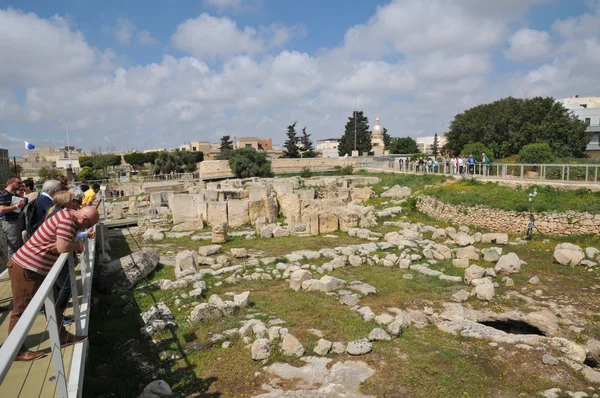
(596, 174)
(568, 172)
(59, 366)
(563, 173)
(586, 173)
(75, 292)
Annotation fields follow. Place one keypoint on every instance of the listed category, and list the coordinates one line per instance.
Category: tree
(49, 173)
(507, 125)
(435, 147)
(190, 160)
(86, 174)
(135, 158)
(85, 161)
(476, 149)
(308, 151)
(248, 162)
(291, 144)
(167, 162)
(536, 153)
(226, 148)
(403, 145)
(387, 140)
(357, 135)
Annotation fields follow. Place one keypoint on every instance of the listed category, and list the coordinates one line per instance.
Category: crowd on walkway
(39, 227)
(458, 165)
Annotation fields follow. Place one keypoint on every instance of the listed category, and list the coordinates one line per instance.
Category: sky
(146, 74)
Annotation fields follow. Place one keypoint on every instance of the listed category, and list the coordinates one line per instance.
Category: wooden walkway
(31, 379)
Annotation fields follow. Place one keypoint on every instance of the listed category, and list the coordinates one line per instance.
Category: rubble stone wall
(220, 168)
(567, 223)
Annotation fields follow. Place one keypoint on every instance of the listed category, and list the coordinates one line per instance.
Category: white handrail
(16, 338)
(71, 387)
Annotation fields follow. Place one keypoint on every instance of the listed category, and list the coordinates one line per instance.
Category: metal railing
(140, 179)
(66, 386)
(570, 173)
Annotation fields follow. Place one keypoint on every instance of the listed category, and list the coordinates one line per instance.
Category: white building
(588, 110)
(424, 143)
(329, 147)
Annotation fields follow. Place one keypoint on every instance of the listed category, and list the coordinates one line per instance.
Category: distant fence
(570, 173)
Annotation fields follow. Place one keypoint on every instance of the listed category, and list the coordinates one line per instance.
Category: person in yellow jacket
(90, 195)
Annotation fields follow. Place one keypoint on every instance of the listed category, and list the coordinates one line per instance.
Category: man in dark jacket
(45, 201)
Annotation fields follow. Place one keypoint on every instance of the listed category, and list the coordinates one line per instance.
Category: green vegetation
(473, 192)
(226, 148)
(476, 149)
(356, 135)
(507, 125)
(248, 162)
(403, 145)
(536, 153)
(49, 173)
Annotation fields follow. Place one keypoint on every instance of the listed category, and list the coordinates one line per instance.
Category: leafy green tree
(167, 162)
(308, 151)
(403, 145)
(292, 150)
(85, 161)
(86, 174)
(226, 148)
(387, 140)
(476, 149)
(151, 156)
(358, 123)
(136, 158)
(536, 153)
(507, 125)
(190, 160)
(49, 173)
(435, 147)
(248, 162)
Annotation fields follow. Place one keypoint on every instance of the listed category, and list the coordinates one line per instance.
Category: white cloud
(220, 37)
(414, 64)
(124, 31)
(37, 50)
(529, 45)
(145, 38)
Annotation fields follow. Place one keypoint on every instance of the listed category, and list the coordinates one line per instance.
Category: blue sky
(157, 73)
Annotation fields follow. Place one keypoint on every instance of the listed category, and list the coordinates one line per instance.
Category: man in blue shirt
(471, 164)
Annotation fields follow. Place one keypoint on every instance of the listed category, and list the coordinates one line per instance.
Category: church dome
(377, 129)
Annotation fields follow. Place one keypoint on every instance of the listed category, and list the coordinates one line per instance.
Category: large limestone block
(508, 264)
(192, 224)
(348, 218)
(568, 254)
(328, 223)
(397, 192)
(202, 211)
(256, 209)
(217, 213)
(361, 195)
(271, 209)
(182, 207)
(290, 205)
(313, 224)
(125, 272)
(298, 277)
(237, 212)
(186, 259)
(258, 192)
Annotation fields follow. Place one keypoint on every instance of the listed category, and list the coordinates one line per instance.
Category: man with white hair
(44, 202)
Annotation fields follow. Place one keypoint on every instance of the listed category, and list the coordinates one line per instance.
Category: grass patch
(472, 192)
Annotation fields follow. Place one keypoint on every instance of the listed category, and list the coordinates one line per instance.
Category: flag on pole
(29, 146)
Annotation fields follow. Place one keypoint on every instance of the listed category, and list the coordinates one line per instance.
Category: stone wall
(220, 168)
(568, 223)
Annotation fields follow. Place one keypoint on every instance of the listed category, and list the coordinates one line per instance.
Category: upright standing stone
(219, 233)
(237, 213)
(217, 213)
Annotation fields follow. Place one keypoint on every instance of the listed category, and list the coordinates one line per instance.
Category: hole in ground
(513, 327)
(591, 362)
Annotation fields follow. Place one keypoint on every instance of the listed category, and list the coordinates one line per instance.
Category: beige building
(62, 158)
(424, 143)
